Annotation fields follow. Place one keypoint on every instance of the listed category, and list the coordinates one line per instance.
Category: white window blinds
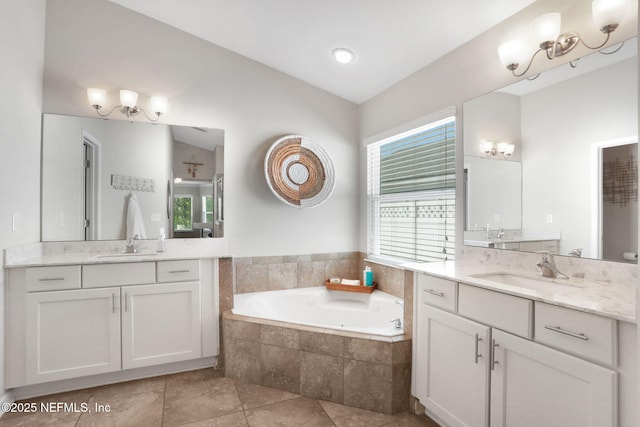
(411, 194)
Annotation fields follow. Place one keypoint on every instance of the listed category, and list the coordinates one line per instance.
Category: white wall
(557, 139)
(494, 194)
(190, 153)
(131, 149)
(492, 117)
(22, 47)
(96, 43)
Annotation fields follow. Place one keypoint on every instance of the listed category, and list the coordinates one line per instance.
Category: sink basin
(127, 255)
(529, 282)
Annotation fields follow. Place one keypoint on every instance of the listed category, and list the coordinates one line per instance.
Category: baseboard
(7, 397)
(110, 378)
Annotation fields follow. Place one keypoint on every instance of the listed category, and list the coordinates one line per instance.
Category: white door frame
(596, 189)
(92, 203)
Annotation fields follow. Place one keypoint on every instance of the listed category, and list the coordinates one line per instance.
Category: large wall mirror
(93, 168)
(571, 184)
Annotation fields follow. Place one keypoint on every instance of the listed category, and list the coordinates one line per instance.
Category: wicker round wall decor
(299, 172)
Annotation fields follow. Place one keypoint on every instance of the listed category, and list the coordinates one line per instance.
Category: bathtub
(371, 314)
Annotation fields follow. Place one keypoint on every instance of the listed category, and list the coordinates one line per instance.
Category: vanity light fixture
(128, 103)
(545, 33)
(501, 150)
(343, 55)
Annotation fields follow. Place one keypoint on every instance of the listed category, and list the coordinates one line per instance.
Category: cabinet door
(533, 385)
(452, 372)
(72, 333)
(160, 324)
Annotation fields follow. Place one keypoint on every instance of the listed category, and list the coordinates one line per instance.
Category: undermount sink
(127, 254)
(529, 282)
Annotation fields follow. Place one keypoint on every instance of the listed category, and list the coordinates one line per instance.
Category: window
(207, 209)
(411, 194)
(182, 212)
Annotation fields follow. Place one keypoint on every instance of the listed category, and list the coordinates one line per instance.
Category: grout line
(244, 414)
(164, 400)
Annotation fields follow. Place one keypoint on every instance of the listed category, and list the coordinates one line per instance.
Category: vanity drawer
(178, 271)
(101, 275)
(506, 312)
(52, 278)
(583, 334)
(437, 292)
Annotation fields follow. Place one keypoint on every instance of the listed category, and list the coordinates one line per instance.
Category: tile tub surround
(270, 273)
(353, 369)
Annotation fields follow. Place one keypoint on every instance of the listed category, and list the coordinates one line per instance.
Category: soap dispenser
(367, 276)
(161, 240)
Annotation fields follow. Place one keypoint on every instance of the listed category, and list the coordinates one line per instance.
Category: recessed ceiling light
(342, 55)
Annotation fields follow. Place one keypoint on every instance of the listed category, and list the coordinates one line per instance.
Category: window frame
(182, 196)
(374, 198)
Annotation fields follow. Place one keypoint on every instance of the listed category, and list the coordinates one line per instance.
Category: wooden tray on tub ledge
(350, 288)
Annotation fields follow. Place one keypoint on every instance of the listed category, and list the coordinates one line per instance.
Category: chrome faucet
(397, 323)
(576, 252)
(547, 266)
(500, 233)
(131, 244)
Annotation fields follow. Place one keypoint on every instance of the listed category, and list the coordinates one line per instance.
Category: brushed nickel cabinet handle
(126, 302)
(434, 292)
(178, 271)
(113, 303)
(477, 356)
(50, 279)
(494, 362)
(558, 329)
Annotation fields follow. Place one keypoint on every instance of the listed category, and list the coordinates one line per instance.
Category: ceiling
(391, 38)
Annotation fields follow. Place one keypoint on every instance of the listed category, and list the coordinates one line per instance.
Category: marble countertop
(605, 298)
(108, 258)
(110, 252)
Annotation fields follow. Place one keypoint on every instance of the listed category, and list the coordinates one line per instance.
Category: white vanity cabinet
(160, 324)
(533, 385)
(72, 333)
(451, 369)
(109, 318)
(469, 372)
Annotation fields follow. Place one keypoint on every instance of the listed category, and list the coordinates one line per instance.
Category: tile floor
(202, 398)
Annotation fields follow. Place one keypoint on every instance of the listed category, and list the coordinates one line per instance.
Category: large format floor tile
(201, 398)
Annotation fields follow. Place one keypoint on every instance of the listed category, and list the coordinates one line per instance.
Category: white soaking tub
(372, 314)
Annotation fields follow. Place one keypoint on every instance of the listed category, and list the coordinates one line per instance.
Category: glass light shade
(486, 146)
(502, 147)
(96, 96)
(128, 98)
(608, 12)
(546, 28)
(342, 55)
(509, 149)
(511, 52)
(159, 105)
